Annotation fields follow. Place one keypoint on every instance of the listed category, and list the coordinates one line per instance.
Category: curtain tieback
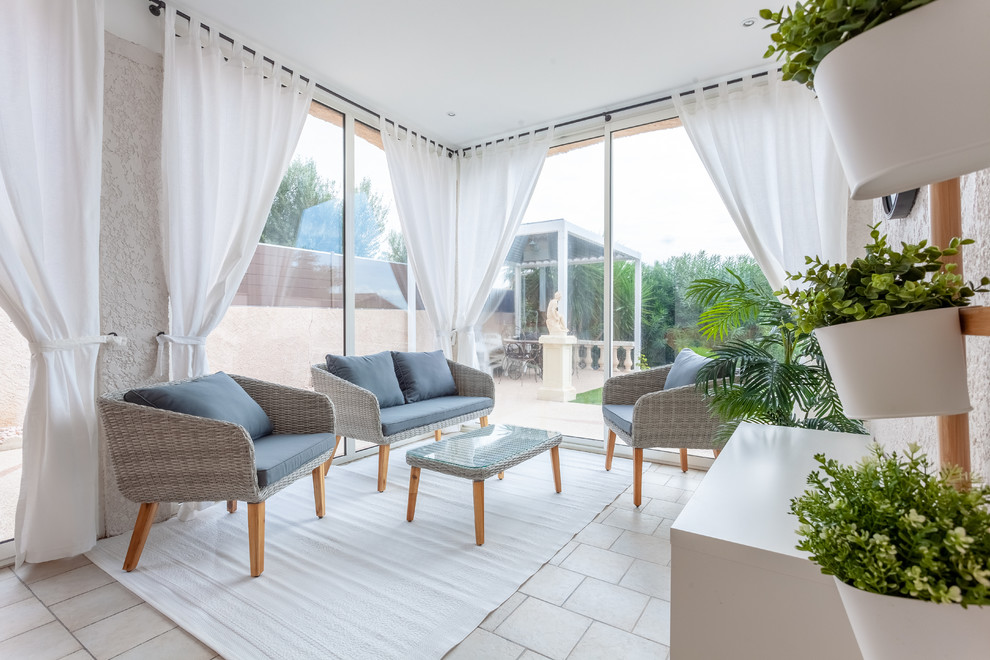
(73, 343)
(160, 367)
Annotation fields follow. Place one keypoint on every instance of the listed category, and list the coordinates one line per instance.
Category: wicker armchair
(676, 418)
(359, 416)
(164, 456)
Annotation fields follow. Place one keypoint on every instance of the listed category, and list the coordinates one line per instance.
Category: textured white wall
(976, 263)
(133, 298)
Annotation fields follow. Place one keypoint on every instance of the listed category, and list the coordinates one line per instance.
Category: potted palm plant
(764, 369)
(888, 326)
(910, 554)
(886, 72)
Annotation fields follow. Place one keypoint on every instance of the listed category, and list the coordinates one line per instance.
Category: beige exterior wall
(976, 262)
(280, 343)
(15, 374)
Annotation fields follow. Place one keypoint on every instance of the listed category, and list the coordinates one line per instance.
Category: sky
(664, 202)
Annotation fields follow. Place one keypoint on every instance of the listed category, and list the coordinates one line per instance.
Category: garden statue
(555, 320)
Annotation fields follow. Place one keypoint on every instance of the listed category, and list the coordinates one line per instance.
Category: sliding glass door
(668, 228)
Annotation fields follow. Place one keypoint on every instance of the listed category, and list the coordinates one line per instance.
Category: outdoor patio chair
(658, 408)
(216, 438)
(374, 408)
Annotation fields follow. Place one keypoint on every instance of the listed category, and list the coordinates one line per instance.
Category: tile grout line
(54, 616)
(62, 623)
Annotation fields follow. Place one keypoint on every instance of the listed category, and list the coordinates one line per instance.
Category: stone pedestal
(558, 364)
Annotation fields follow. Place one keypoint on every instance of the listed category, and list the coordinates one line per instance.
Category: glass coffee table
(477, 455)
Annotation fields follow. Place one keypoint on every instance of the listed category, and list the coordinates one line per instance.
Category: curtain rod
(607, 114)
(156, 6)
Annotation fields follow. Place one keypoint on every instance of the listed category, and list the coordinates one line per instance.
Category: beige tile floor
(606, 594)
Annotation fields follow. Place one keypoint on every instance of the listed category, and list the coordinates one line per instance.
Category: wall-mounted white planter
(908, 102)
(907, 365)
(894, 628)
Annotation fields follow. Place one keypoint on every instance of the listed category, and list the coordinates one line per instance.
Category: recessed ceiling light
(451, 114)
(749, 22)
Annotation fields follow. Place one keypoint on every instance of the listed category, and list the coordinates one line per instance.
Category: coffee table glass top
(486, 446)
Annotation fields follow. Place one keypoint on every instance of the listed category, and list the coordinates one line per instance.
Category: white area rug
(362, 582)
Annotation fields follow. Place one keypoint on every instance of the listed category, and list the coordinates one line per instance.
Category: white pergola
(560, 243)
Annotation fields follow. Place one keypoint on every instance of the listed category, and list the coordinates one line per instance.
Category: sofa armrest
(292, 410)
(674, 418)
(164, 456)
(626, 389)
(471, 382)
(357, 412)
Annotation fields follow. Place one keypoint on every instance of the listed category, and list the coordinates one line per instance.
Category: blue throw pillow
(423, 376)
(685, 369)
(216, 397)
(374, 373)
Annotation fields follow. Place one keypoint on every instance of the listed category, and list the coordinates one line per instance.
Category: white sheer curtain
(765, 144)
(228, 133)
(424, 183)
(496, 184)
(51, 150)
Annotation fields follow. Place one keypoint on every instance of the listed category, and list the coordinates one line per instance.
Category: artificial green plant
(765, 369)
(882, 283)
(891, 525)
(804, 35)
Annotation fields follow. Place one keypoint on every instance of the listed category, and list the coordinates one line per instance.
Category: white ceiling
(500, 65)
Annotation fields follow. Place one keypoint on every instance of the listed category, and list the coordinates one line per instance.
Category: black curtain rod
(607, 114)
(156, 7)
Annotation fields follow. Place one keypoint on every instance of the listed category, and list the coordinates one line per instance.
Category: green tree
(308, 213)
(301, 188)
(395, 250)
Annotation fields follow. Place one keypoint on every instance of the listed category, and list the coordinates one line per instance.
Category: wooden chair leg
(231, 506)
(146, 516)
(555, 460)
(683, 460)
(326, 466)
(484, 421)
(436, 435)
(716, 452)
(501, 475)
(382, 467)
(637, 476)
(413, 492)
(256, 537)
(610, 450)
(319, 490)
(479, 512)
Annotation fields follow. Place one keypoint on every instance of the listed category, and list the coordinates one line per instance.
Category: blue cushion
(432, 411)
(621, 416)
(685, 369)
(423, 376)
(278, 456)
(374, 373)
(216, 397)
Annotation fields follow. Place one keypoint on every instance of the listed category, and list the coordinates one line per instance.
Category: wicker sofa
(359, 415)
(159, 455)
(639, 411)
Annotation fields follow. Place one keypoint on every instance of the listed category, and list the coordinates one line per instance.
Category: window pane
(670, 227)
(288, 311)
(15, 356)
(381, 288)
(561, 239)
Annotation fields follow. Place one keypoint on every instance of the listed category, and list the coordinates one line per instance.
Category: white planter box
(894, 628)
(908, 365)
(908, 102)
